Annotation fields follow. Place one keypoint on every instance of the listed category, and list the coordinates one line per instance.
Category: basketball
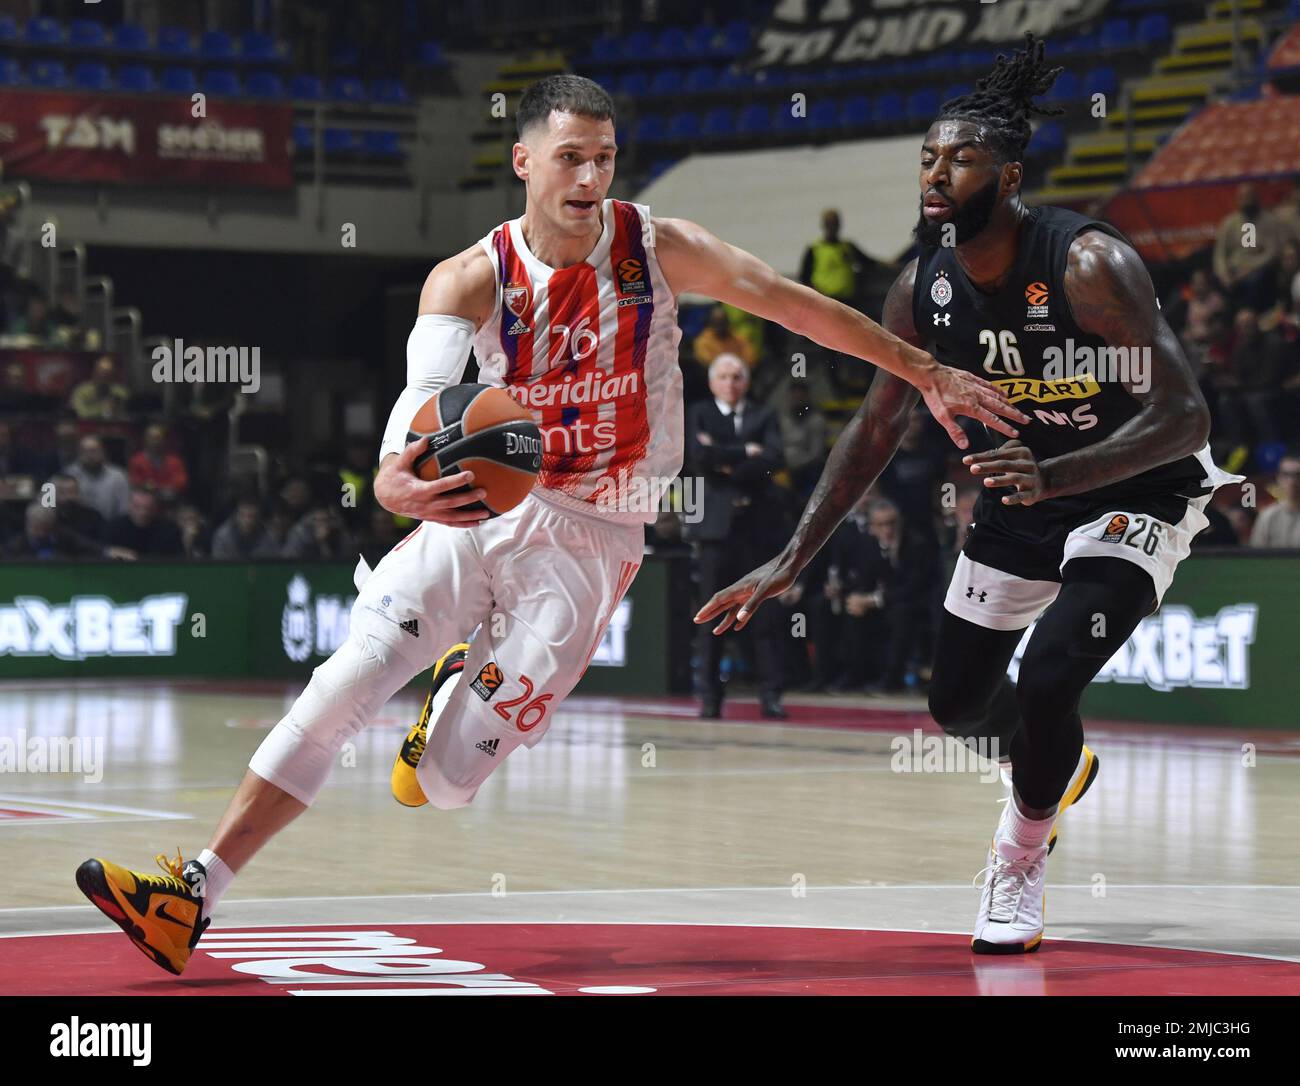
(479, 428)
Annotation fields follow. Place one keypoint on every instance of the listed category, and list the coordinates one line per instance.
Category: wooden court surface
(762, 848)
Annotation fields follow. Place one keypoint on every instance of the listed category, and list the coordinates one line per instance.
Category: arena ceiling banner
(853, 31)
(61, 136)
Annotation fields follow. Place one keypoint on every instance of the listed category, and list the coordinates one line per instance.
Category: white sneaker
(1010, 919)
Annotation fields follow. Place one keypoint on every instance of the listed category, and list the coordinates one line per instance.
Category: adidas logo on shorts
(488, 746)
(411, 626)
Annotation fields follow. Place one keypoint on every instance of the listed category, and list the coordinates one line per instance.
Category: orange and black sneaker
(161, 914)
(406, 787)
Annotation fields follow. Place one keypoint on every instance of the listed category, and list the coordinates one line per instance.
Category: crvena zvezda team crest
(516, 299)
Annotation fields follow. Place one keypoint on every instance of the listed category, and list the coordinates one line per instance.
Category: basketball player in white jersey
(572, 307)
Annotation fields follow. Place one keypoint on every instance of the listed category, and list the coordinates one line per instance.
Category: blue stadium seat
(87, 34)
(661, 166)
(671, 45)
(1101, 81)
(784, 120)
(824, 114)
(957, 90)
(8, 28)
(264, 85)
(180, 80)
(389, 92)
(736, 37)
(260, 47)
(856, 111)
(306, 88)
(136, 77)
(939, 63)
(47, 73)
(345, 56)
(216, 45)
(1116, 34)
(666, 81)
(223, 82)
(129, 37)
(92, 76)
(431, 55)
(174, 41)
(922, 105)
(1049, 139)
(303, 138)
(639, 45)
(699, 41)
(604, 50)
(650, 129)
(340, 141)
(719, 122)
(43, 31)
(634, 85)
(701, 79)
(1154, 29)
(345, 88)
(684, 126)
(606, 80)
(11, 72)
(734, 79)
(1066, 89)
(381, 145)
(755, 120)
(890, 110)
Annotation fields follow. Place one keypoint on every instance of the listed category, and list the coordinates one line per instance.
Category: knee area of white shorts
(440, 792)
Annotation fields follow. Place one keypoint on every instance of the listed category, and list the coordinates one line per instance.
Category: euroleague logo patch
(1115, 530)
(1036, 295)
(632, 285)
(488, 681)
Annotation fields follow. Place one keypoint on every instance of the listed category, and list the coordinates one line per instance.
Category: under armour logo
(943, 318)
(970, 593)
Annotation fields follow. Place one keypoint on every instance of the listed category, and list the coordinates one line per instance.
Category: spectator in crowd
(319, 535)
(66, 318)
(143, 532)
(102, 397)
(195, 538)
(16, 398)
(906, 595)
(1204, 303)
(958, 525)
(42, 538)
(1287, 212)
(734, 446)
(380, 536)
(1220, 532)
(854, 629)
(244, 537)
(156, 469)
(835, 267)
(356, 478)
(1244, 259)
(1242, 521)
(35, 321)
(1249, 389)
(67, 443)
(912, 478)
(75, 516)
(297, 498)
(1278, 525)
(278, 523)
(803, 436)
(104, 486)
(718, 338)
(1288, 287)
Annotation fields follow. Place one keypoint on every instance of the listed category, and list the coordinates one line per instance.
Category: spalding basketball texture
(479, 428)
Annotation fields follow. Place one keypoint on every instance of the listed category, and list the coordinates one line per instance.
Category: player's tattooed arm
(859, 455)
(695, 261)
(1111, 294)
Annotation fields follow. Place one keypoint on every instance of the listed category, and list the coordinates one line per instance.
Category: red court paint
(668, 959)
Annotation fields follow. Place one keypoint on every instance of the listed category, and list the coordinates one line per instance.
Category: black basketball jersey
(1024, 339)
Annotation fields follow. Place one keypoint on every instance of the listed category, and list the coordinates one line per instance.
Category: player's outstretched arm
(694, 260)
(859, 455)
(1110, 292)
(458, 296)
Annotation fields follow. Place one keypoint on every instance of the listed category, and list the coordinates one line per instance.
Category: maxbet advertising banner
(144, 140)
(854, 31)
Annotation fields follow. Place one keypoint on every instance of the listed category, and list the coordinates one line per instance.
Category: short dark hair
(566, 93)
(1003, 100)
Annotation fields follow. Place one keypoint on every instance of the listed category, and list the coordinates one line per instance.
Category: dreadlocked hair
(1003, 100)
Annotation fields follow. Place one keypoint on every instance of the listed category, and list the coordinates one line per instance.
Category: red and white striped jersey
(591, 350)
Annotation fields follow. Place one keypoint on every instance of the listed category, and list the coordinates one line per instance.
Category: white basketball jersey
(591, 350)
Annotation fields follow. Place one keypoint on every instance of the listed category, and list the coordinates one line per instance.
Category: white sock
(1022, 831)
(219, 877)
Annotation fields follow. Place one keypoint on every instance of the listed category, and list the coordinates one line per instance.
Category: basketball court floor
(638, 849)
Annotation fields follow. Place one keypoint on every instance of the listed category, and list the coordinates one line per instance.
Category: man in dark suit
(734, 447)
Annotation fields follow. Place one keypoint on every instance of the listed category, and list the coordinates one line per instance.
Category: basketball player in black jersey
(1081, 521)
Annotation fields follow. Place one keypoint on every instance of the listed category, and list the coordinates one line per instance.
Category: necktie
(735, 415)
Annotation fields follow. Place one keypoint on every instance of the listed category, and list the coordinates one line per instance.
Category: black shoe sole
(979, 946)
